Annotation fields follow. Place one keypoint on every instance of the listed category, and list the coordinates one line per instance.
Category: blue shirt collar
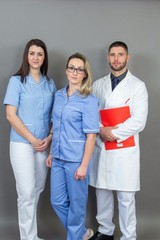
(42, 79)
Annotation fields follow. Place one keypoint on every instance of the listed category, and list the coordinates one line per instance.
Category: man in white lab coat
(118, 169)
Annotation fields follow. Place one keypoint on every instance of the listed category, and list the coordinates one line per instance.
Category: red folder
(112, 117)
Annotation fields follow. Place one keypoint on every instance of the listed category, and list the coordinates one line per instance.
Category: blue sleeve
(91, 115)
(13, 92)
(54, 86)
(54, 93)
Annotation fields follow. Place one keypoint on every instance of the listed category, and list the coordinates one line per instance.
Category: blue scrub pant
(69, 197)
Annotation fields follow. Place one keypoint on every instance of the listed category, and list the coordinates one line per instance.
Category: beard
(120, 68)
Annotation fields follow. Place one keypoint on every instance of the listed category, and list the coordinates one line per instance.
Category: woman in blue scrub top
(75, 124)
(29, 99)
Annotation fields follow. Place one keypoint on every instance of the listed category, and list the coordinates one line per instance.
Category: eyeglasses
(79, 70)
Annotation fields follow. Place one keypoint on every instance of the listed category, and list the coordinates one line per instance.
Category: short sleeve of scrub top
(90, 117)
(13, 92)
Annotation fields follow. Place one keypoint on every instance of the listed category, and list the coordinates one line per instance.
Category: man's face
(117, 59)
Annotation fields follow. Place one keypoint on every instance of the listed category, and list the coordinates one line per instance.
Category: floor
(143, 234)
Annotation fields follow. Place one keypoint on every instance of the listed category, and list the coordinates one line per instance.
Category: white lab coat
(120, 169)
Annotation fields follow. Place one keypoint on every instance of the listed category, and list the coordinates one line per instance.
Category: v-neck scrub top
(73, 117)
(34, 103)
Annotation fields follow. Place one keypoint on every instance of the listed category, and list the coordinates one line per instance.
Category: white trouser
(127, 213)
(30, 173)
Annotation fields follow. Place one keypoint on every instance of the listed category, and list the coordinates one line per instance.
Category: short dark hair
(24, 69)
(118, 44)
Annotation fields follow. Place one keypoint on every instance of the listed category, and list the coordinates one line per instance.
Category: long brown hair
(24, 69)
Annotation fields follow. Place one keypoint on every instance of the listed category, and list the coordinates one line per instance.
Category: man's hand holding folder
(107, 135)
(110, 119)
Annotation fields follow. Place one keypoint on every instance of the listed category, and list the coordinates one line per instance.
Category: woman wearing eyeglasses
(75, 124)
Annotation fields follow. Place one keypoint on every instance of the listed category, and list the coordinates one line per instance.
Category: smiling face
(35, 57)
(117, 59)
(75, 72)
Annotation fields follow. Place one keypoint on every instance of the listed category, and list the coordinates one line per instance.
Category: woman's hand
(41, 145)
(38, 144)
(81, 172)
(49, 161)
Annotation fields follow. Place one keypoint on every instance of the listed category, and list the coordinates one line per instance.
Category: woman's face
(35, 57)
(75, 72)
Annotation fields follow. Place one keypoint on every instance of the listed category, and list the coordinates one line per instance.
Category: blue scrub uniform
(73, 118)
(34, 102)
(34, 105)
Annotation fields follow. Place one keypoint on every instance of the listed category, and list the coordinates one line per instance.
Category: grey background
(88, 26)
